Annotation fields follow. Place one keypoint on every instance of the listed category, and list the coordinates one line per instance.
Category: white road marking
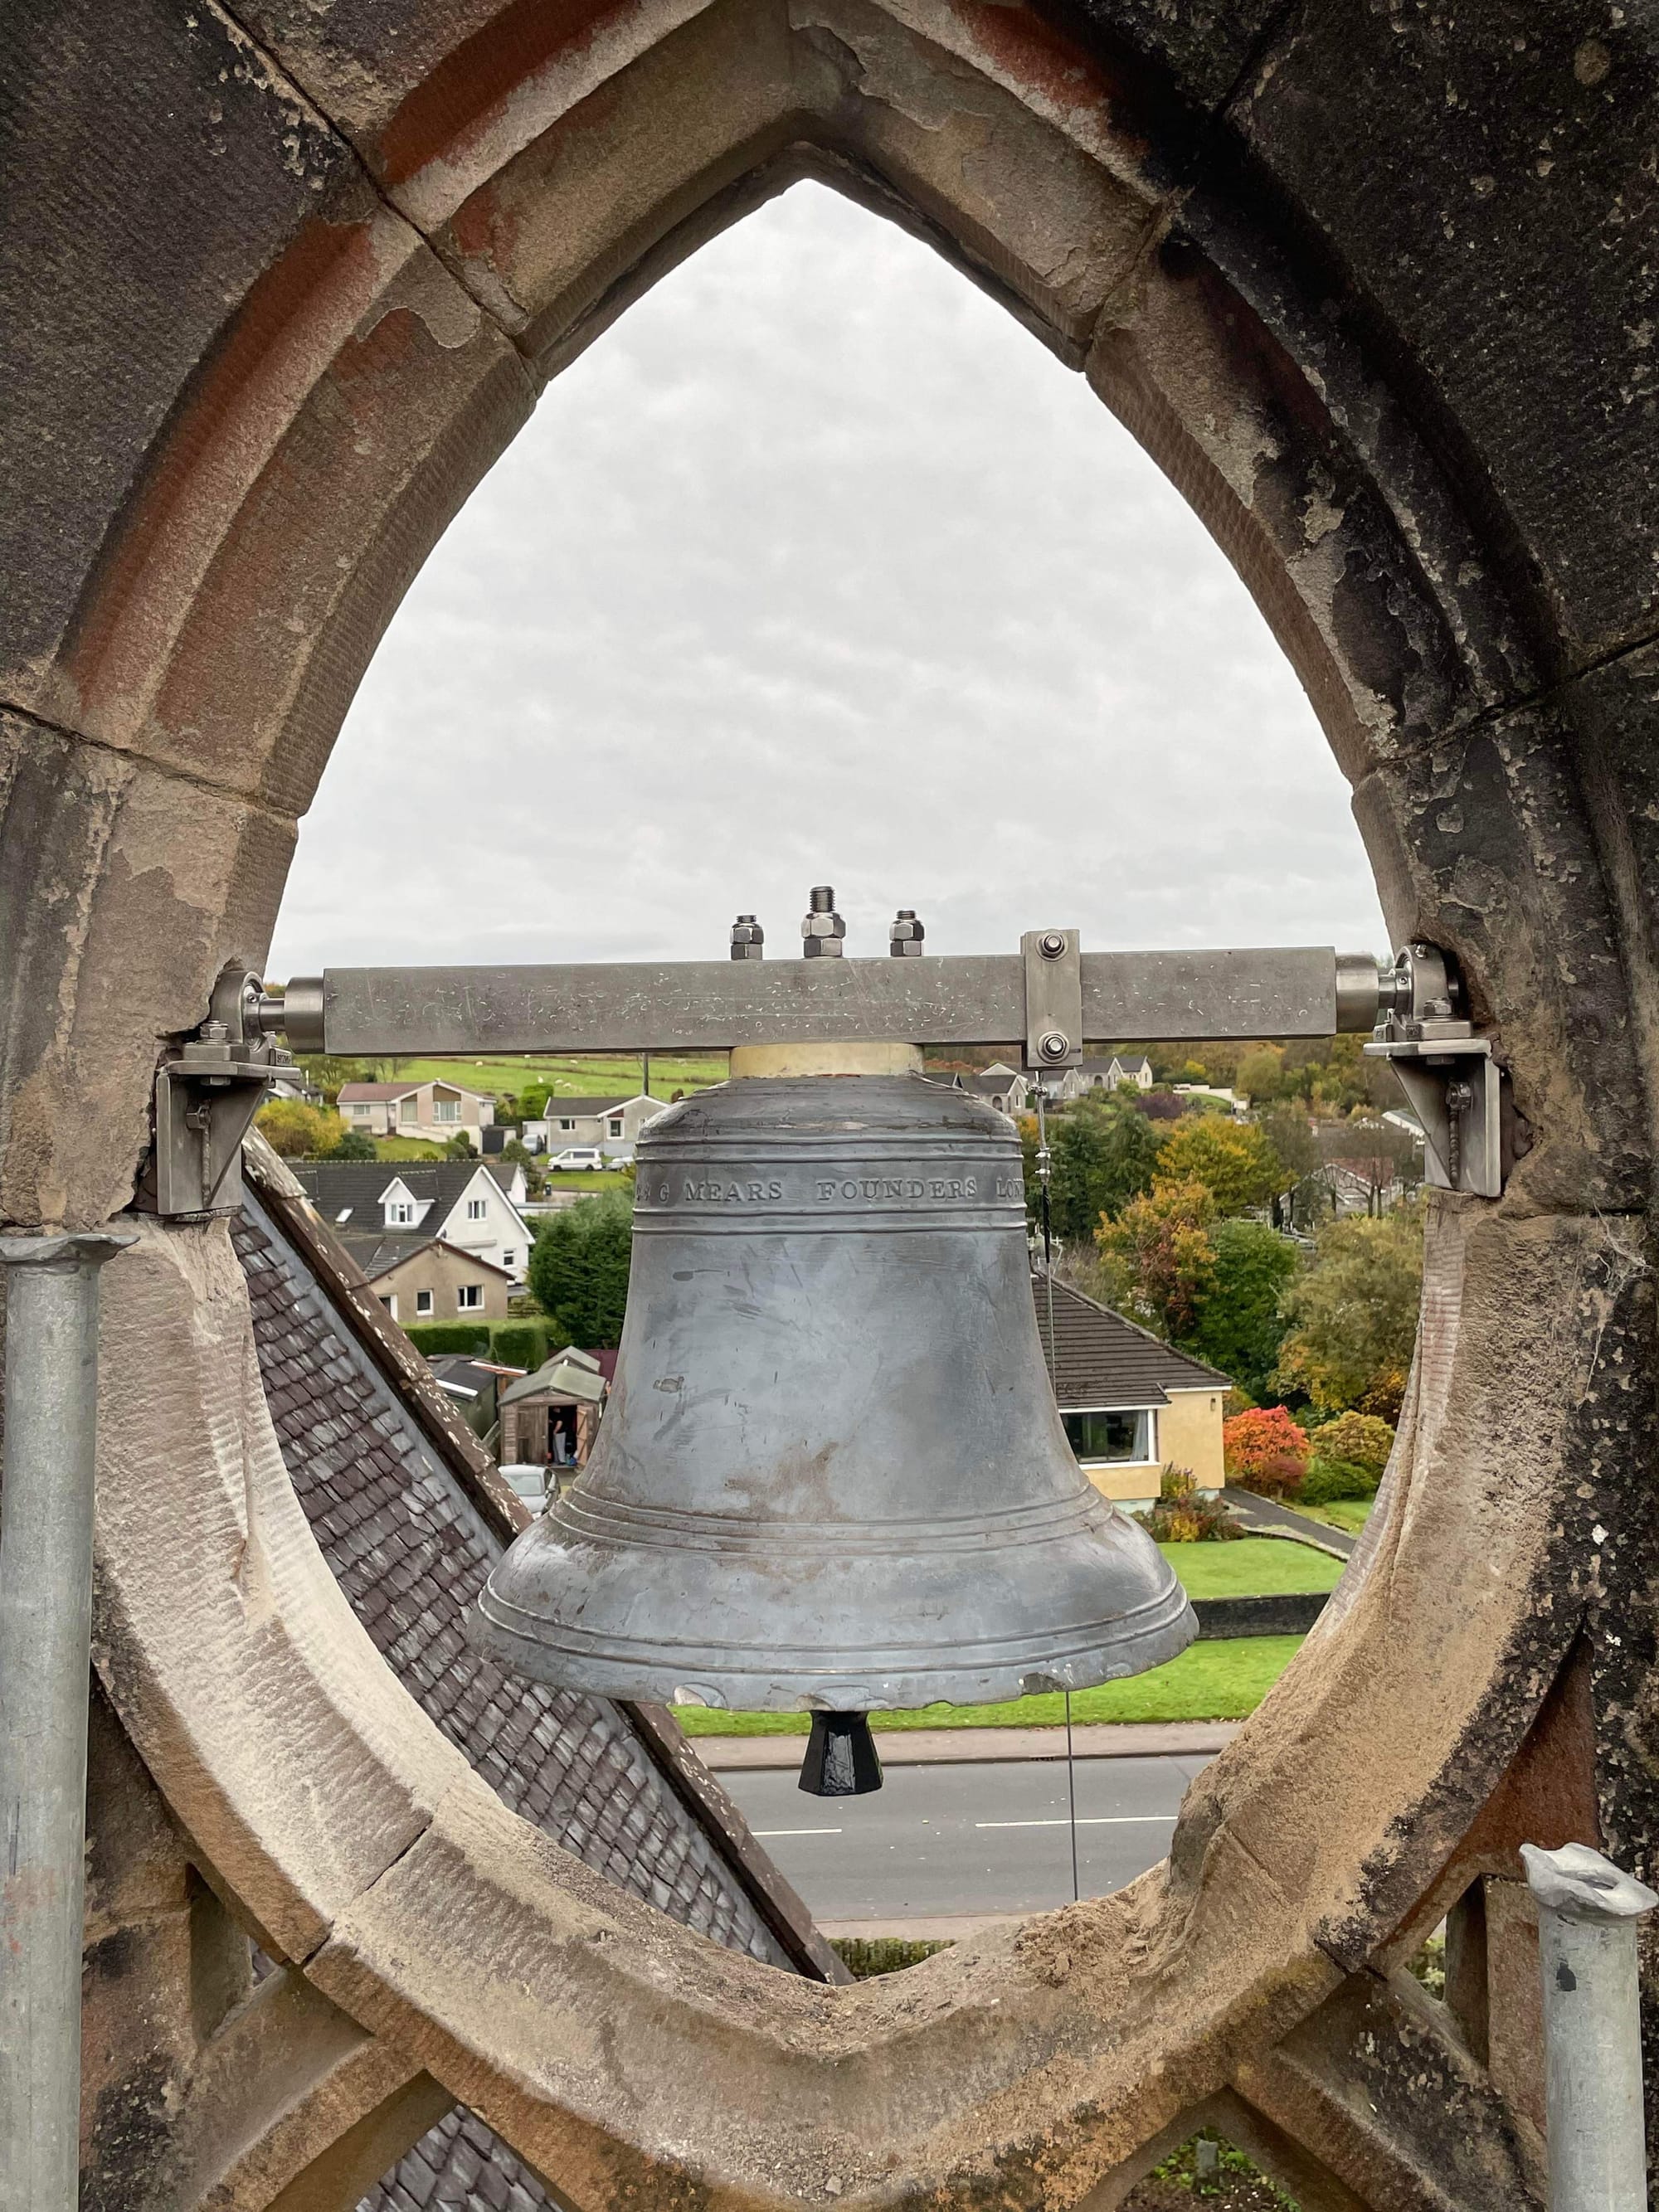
(1102, 1821)
(794, 1831)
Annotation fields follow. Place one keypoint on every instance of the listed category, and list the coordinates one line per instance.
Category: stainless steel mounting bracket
(1053, 960)
(207, 1094)
(1451, 1081)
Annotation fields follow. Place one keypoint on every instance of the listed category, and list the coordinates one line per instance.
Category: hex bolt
(748, 938)
(1055, 1046)
(1051, 943)
(905, 934)
(823, 928)
(1588, 1911)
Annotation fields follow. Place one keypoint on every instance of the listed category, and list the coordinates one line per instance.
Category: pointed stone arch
(362, 239)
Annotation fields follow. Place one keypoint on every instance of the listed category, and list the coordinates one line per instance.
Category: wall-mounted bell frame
(207, 1094)
(1052, 995)
(1446, 1069)
(829, 1270)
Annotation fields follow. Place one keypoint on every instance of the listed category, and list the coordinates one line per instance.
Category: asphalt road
(943, 1840)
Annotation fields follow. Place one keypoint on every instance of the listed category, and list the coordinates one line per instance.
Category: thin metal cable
(1043, 1165)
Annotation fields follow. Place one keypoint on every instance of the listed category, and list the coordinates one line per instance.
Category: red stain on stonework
(471, 87)
(1035, 56)
(232, 407)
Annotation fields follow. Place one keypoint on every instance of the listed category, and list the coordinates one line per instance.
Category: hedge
(429, 1336)
(512, 1343)
(520, 1343)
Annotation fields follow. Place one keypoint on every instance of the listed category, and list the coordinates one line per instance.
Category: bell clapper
(842, 1759)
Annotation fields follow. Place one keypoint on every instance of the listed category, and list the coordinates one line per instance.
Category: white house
(1105, 1075)
(468, 1207)
(434, 1111)
(999, 1085)
(612, 1124)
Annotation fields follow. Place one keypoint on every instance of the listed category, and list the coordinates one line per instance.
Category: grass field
(585, 1179)
(1254, 1566)
(1349, 1513)
(604, 1075)
(1220, 1681)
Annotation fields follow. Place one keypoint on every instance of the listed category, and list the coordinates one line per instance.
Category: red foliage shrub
(1264, 1451)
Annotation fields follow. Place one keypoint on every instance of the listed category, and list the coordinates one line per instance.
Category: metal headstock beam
(709, 1005)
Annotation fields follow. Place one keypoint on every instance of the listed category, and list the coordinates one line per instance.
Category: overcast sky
(817, 567)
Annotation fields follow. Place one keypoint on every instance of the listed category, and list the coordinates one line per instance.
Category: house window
(344, 1214)
(507, 1258)
(400, 1213)
(569, 1126)
(474, 1209)
(391, 1304)
(1099, 1436)
(363, 1112)
(408, 1109)
(615, 1125)
(422, 1302)
(469, 1298)
(445, 1110)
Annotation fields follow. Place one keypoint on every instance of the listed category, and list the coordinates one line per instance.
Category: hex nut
(905, 934)
(1051, 943)
(1055, 1045)
(748, 938)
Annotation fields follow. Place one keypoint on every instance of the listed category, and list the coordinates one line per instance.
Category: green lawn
(600, 1075)
(1349, 1513)
(1219, 1681)
(584, 1179)
(1254, 1566)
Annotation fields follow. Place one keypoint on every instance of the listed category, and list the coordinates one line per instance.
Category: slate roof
(389, 1090)
(403, 1504)
(1098, 1359)
(558, 1107)
(384, 1249)
(360, 1184)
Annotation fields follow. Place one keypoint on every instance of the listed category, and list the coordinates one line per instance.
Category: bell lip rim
(833, 1662)
(813, 1689)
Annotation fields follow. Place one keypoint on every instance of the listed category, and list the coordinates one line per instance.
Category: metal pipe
(1588, 1912)
(45, 1609)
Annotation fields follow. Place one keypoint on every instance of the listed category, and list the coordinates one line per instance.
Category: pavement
(945, 1850)
(1266, 1516)
(984, 1746)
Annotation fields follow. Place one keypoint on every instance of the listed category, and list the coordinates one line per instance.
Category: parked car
(578, 1156)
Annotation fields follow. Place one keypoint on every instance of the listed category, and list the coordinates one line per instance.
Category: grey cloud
(817, 568)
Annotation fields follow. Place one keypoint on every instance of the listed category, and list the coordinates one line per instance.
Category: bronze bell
(831, 1477)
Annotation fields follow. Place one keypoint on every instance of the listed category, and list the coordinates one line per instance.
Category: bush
(1183, 1515)
(1361, 1439)
(430, 1336)
(865, 1956)
(579, 1268)
(1264, 1451)
(519, 1344)
(1327, 1479)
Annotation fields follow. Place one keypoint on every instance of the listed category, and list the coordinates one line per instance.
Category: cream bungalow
(434, 1111)
(1129, 1405)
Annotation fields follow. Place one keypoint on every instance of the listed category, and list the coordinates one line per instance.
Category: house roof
(381, 1250)
(1129, 1063)
(557, 1107)
(352, 1092)
(410, 1513)
(1098, 1359)
(333, 1185)
(989, 1084)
